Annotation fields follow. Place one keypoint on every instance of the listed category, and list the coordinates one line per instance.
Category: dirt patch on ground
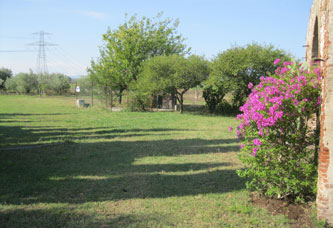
(300, 215)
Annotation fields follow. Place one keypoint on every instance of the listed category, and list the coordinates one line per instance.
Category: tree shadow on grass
(15, 114)
(20, 117)
(112, 170)
(89, 172)
(25, 136)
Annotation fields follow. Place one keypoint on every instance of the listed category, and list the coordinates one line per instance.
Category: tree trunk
(120, 95)
(127, 94)
(106, 96)
(75, 91)
(181, 108)
(92, 93)
(111, 100)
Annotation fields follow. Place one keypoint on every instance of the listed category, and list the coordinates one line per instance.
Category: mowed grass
(119, 169)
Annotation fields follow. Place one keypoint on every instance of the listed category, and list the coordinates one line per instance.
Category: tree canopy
(239, 66)
(4, 75)
(133, 42)
(173, 74)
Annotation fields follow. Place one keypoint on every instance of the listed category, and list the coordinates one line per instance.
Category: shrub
(279, 148)
(213, 96)
(139, 102)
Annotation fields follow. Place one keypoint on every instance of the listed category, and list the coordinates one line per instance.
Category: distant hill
(76, 76)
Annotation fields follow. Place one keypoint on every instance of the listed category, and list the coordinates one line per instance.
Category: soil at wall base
(300, 215)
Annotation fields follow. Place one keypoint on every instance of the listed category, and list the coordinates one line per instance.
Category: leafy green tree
(11, 84)
(4, 75)
(241, 65)
(58, 83)
(173, 74)
(132, 43)
(23, 83)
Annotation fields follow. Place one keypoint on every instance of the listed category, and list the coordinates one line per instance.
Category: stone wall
(319, 47)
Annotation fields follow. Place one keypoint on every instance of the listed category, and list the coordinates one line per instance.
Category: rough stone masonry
(319, 48)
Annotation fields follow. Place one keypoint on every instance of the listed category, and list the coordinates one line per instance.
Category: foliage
(4, 75)
(85, 85)
(132, 43)
(279, 150)
(58, 83)
(235, 68)
(224, 107)
(214, 88)
(138, 40)
(25, 83)
(173, 74)
(139, 101)
(11, 84)
(213, 95)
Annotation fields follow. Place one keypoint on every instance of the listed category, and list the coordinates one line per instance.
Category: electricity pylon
(41, 63)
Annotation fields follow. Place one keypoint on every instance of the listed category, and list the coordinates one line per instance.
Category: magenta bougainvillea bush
(277, 132)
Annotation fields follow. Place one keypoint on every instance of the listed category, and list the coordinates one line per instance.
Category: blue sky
(210, 26)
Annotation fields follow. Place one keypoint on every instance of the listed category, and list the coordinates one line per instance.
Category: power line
(15, 37)
(41, 65)
(63, 66)
(17, 51)
(68, 62)
(69, 59)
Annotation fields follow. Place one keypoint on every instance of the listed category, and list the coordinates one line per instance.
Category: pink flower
(257, 142)
(242, 146)
(255, 149)
(277, 61)
(317, 71)
(230, 129)
(283, 70)
(250, 85)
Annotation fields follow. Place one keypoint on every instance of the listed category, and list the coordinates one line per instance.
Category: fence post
(75, 91)
(106, 96)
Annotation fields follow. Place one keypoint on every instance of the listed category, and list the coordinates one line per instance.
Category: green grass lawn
(119, 169)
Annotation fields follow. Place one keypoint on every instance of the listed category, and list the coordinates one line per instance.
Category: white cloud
(93, 14)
